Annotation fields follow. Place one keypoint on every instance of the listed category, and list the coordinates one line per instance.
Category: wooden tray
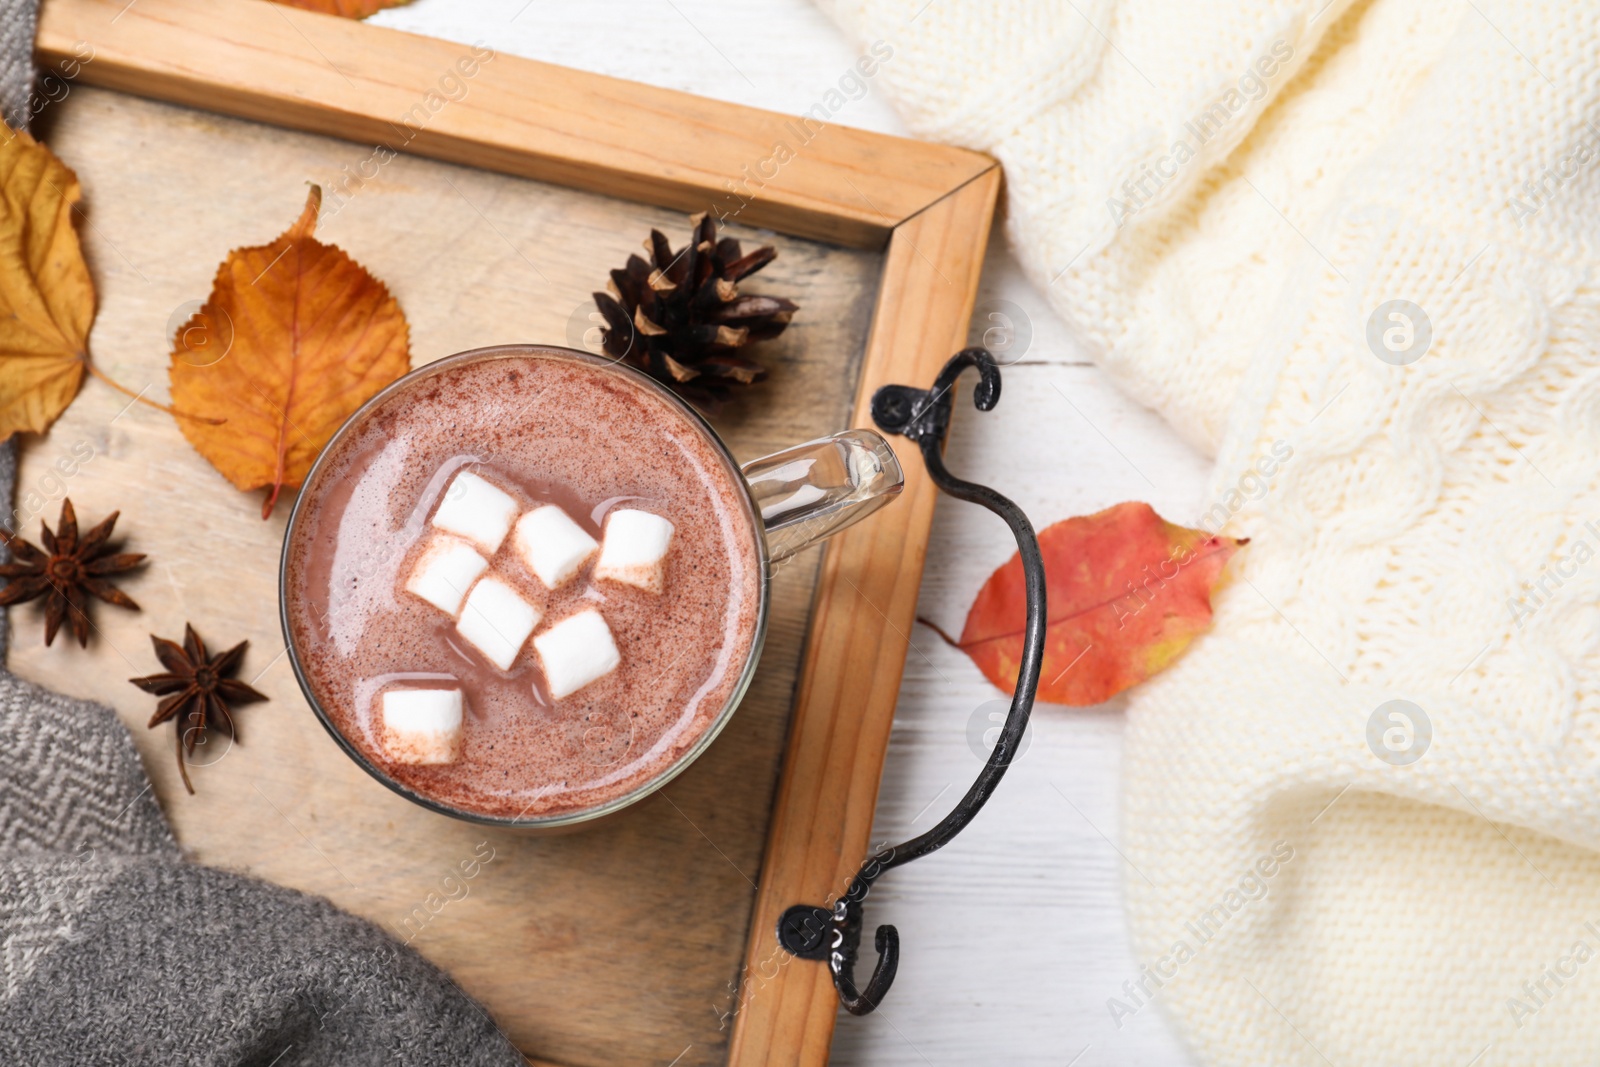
(650, 938)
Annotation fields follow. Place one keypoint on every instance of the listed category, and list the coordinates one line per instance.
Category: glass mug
(790, 500)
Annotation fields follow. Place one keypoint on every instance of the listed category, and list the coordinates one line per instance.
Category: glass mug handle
(812, 491)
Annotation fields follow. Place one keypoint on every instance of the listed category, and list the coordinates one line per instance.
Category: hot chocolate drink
(523, 585)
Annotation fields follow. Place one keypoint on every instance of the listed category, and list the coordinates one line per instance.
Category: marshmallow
(476, 509)
(496, 620)
(422, 725)
(576, 651)
(635, 549)
(445, 571)
(552, 545)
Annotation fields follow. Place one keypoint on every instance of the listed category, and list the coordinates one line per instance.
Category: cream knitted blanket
(1364, 235)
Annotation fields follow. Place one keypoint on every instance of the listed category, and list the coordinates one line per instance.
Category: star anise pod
(68, 571)
(679, 317)
(195, 691)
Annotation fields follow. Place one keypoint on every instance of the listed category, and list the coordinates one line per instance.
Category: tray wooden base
(566, 940)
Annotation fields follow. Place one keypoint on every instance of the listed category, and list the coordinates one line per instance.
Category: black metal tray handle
(834, 934)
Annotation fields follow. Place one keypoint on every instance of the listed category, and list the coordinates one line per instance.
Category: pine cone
(680, 317)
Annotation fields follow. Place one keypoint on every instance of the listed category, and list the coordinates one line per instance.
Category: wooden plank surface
(860, 629)
(618, 945)
(376, 86)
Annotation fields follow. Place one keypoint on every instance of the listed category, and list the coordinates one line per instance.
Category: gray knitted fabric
(115, 950)
(16, 63)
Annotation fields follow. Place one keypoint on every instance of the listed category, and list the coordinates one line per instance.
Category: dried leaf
(1127, 592)
(350, 9)
(46, 295)
(296, 336)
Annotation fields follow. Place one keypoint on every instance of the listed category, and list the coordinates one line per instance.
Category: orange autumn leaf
(350, 9)
(295, 336)
(1127, 591)
(46, 295)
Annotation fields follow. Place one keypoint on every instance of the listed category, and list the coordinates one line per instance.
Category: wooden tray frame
(928, 206)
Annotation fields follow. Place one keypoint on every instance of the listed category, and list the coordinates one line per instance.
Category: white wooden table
(1013, 937)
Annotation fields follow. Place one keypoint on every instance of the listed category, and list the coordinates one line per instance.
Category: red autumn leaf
(1127, 593)
(350, 9)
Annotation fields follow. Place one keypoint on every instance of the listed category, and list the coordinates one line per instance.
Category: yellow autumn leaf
(46, 295)
(295, 337)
